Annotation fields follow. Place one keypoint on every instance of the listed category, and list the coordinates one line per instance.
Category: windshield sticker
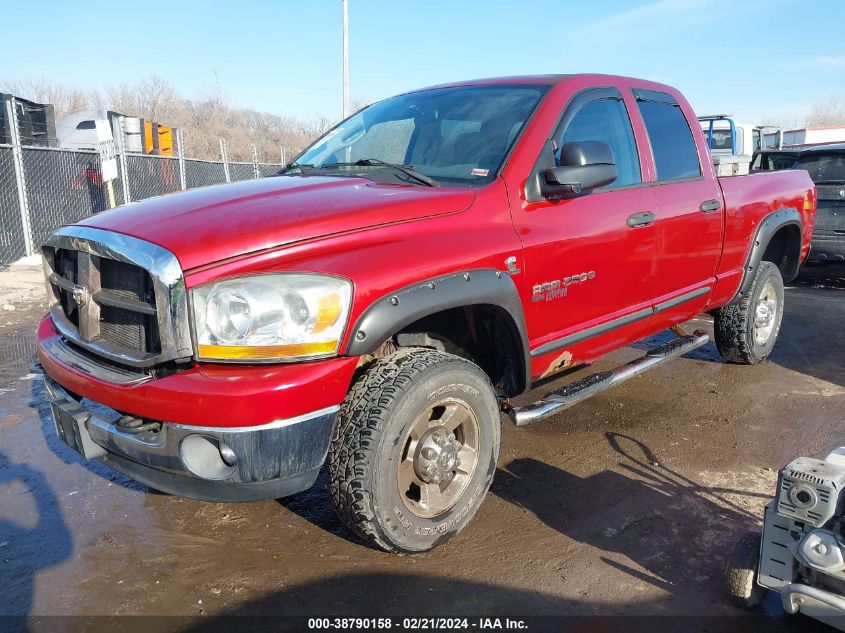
(479, 172)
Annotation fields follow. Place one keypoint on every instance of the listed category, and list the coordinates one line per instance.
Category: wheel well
(484, 334)
(784, 251)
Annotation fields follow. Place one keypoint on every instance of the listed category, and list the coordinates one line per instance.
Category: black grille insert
(67, 265)
(123, 327)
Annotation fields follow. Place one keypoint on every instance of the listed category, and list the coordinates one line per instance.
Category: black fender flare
(766, 230)
(392, 312)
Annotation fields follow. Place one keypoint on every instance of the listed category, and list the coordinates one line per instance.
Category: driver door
(590, 258)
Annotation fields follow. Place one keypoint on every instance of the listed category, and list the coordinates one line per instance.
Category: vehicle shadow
(652, 523)
(820, 276)
(33, 537)
(40, 401)
(401, 595)
(314, 505)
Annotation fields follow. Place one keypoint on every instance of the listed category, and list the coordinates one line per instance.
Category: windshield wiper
(376, 162)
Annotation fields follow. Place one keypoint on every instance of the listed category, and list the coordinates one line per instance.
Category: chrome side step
(588, 386)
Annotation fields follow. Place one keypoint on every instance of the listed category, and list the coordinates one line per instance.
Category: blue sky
(757, 59)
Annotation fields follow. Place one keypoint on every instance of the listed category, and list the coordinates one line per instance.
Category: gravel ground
(22, 303)
(624, 505)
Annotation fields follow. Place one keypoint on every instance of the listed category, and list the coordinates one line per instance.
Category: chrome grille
(116, 296)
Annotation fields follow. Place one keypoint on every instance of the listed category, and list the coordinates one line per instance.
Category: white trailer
(810, 136)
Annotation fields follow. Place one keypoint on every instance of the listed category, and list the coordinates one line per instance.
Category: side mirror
(583, 166)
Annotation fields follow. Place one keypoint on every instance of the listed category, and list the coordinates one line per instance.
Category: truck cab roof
(833, 147)
(547, 79)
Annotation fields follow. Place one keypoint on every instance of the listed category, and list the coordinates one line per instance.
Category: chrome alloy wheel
(765, 314)
(439, 457)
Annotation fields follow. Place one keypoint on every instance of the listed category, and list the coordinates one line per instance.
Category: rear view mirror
(582, 166)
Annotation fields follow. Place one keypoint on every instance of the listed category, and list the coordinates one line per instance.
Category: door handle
(708, 206)
(643, 218)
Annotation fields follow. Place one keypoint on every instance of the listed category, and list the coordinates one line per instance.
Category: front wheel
(414, 450)
(746, 331)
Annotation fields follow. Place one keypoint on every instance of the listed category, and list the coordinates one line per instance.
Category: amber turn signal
(266, 352)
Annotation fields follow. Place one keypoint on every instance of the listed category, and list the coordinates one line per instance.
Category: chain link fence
(202, 173)
(150, 176)
(63, 186)
(241, 171)
(269, 169)
(12, 247)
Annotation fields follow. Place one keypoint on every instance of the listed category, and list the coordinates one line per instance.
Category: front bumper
(272, 422)
(204, 395)
(207, 463)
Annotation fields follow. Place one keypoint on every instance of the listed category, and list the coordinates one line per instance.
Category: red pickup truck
(380, 302)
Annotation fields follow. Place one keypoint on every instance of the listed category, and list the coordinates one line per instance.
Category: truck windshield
(458, 136)
(824, 167)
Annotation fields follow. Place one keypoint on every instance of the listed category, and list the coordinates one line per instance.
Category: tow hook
(135, 426)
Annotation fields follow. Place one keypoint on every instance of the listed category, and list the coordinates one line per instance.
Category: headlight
(282, 316)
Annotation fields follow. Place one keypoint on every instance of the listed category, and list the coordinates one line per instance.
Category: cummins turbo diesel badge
(551, 290)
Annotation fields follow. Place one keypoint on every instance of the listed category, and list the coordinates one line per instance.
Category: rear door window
(672, 144)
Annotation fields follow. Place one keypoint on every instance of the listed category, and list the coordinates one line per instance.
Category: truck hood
(206, 225)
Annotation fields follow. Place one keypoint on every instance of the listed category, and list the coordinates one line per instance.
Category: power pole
(345, 58)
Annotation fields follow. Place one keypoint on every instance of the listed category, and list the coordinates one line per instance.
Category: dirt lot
(623, 505)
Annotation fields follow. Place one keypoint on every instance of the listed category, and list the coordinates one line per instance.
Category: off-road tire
(741, 573)
(734, 324)
(379, 407)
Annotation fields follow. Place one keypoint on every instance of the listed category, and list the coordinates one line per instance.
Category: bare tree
(64, 99)
(359, 103)
(204, 120)
(153, 98)
(831, 111)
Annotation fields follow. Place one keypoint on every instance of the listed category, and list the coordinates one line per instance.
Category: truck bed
(750, 198)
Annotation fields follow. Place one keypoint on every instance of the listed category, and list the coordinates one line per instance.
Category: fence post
(284, 156)
(120, 146)
(225, 160)
(20, 178)
(180, 146)
(255, 169)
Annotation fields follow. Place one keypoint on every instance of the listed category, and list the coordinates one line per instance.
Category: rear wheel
(414, 450)
(746, 331)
